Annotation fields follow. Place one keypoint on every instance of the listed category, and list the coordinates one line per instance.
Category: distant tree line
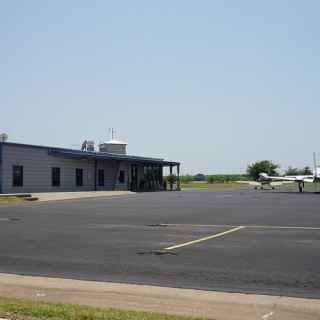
(252, 173)
(298, 172)
(213, 178)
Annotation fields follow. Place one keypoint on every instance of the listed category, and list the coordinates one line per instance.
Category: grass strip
(204, 185)
(10, 199)
(60, 311)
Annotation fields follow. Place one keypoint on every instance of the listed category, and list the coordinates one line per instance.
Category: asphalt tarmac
(126, 239)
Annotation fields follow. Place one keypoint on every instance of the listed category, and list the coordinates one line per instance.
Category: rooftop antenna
(110, 133)
(113, 133)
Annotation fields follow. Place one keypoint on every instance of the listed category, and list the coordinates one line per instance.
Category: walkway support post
(95, 174)
(178, 178)
(171, 182)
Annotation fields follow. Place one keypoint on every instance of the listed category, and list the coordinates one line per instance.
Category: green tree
(292, 171)
(199, 177)
(171, 179)
(306, 171)
(210, 179)
(186, 178)
(265, 166)
(296, 172)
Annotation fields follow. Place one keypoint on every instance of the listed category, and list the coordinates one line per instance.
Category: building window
(17, 176)
(55, 177)
(122, 177)
(79, 177)
(101, 178)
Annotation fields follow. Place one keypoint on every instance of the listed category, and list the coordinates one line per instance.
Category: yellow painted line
(200, 225)
(205, 238)
(284, 227)
(247, 226)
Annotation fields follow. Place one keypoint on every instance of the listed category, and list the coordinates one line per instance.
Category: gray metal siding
(110, 172)
(38, 161)
(37, 166)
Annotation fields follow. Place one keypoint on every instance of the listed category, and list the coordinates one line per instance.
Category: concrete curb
(208, 304)
(56, 196)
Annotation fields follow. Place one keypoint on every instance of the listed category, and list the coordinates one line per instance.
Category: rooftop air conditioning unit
(3, 137)
(90, 146)
(87, 145)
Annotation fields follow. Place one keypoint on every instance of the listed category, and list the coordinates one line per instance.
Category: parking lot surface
(226, 240)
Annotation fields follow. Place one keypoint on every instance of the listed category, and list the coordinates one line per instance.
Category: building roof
(118, 142)
(72, 153)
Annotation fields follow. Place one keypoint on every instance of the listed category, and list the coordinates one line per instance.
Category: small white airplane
(301, 180)
(262, 183)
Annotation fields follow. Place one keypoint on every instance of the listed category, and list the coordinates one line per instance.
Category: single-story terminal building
(30, 168)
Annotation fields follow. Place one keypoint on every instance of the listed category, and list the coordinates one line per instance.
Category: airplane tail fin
(316, 167)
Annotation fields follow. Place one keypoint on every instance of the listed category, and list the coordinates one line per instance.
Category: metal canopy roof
(108, 156)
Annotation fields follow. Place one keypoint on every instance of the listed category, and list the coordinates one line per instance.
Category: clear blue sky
(215, 84)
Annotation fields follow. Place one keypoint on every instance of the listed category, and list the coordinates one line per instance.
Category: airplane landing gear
(301, 186)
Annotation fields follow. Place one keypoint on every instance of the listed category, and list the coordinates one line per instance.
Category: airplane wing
(283, 178)
(251, 183)
(293, 178)
(308, 180)
(280, 183)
